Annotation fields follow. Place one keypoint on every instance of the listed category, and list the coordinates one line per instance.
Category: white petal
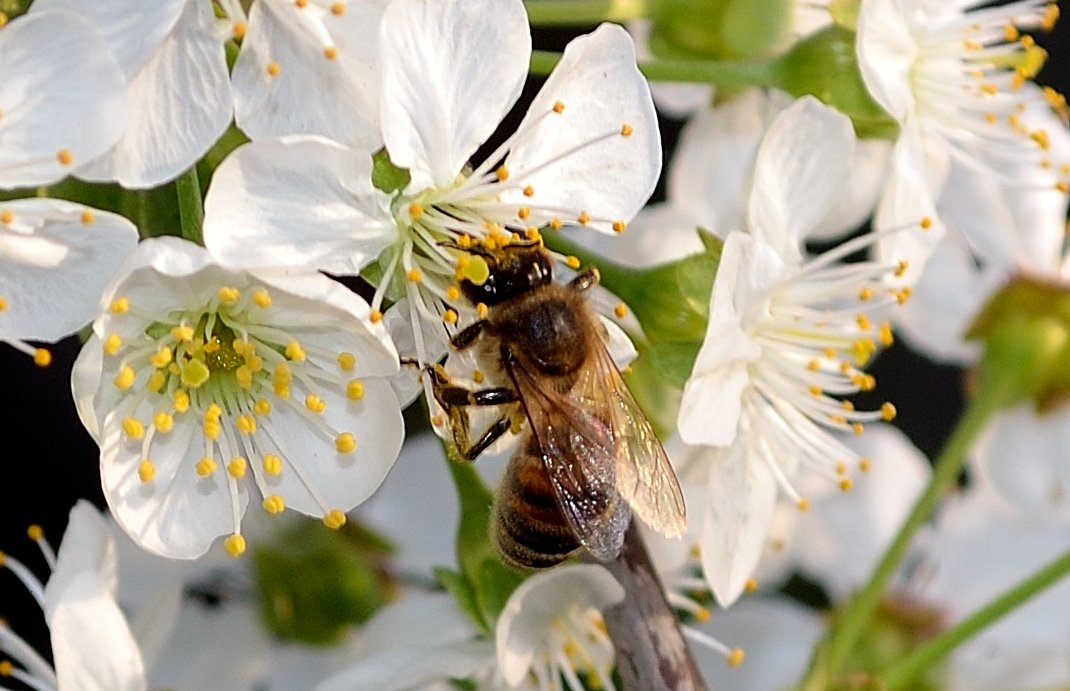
(75, 100)
(54, 265)
(85, 380)
(180, 105)
(286, 37)
(450, 71)
(592, 167)
(661, 233)
(87, 550)
(800, 170)
(740, 498)
(712, 404)
(675, 99)
(886, 53)
(857, 200)
(302, 201)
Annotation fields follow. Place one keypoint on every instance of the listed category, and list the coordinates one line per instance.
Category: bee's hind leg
(588, 278)
(456, 399)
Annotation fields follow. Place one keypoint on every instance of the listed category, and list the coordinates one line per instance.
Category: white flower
(587, 152)
(92, 645)
(295, 53)
(55, 259)
(63, 97)
(784, 341)
(202, 383)
(177, 85)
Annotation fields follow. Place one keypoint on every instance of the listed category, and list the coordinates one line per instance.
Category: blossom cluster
(261, 222)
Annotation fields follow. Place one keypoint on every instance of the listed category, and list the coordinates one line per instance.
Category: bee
(588, 457)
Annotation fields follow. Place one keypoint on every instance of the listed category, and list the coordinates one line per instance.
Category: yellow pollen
(161, 358)
(330, 52)
(334, 519)
(261, 298)
(626, 130)
(584, 218)
(156, 381)
(846, 484)
(1062, 186)
(236, 467)
(814, 365)
(345, 442)
(35, 532)
(901, 268)
(863, 322)
(133, 428)
(477, 376)
(274, 504)
(803, 504)
(234, 545)
(751, 585)
(970, 44)
(619, 226)
(735, 657)
(6, 217)
(212, 428)
(246, 424)
(180, 399)
(449, 316)
(1041, 138)
(301, 4)
(523, 212)
(702, 614)
(416, 210)
(338, 9)
(482, 310)
(375, 317)
(815, 390)
(42, 357)
(888, 411)
(903, 294)
(991, 118)
(572, 262)
(315, 403)
(205, 467)
(355, 390)
(555, 223)
(502, 173)
(841, 468)
(529, 191)
(295, 352)
(3, 304)
(346, 361)
(182, 333)
(830, 353)
(864, 464)
(163, 421)
(413, 275)
(559, 107)
(65, 157)
(238, 30)
(621, 310)
(884, 335)
(437, 420)
(989, 89)
(87, 217)
(146, 471)
(926, 222)
(119, 306)
(273, 69)
(244, 375)
(847, 405)
(6, 666)
(125, 378)
(272, 464)
(858, 428)
(228, 295)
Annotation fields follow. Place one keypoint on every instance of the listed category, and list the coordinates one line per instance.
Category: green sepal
(464, 594)
(825, 65)
(719, 29)
(386, 176)
(313, 583)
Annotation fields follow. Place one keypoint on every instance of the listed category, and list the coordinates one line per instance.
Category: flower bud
(720, 29)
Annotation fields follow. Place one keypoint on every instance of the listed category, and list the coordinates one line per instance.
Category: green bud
(386, 176)
(312, 583)
(719, 29)
(825, 65)
(1025, 328)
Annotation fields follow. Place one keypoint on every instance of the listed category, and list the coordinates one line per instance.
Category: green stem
(858, 613)
(580, 12)
(190, 211)
(719, 72)
(906, 670)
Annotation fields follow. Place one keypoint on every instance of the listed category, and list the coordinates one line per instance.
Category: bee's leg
(588, 278)
(491, 435)
(455, 399)
(468, 335)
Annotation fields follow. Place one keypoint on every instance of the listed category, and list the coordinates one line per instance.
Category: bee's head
(511, 270)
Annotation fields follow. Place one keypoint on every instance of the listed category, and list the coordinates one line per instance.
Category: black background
(49, 461)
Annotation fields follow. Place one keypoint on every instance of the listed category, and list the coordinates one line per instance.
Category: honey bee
(588, 457)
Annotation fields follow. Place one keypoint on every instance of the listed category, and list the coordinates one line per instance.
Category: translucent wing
(645, 477)
(579, 452)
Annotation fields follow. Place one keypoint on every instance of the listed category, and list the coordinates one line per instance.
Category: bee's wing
(579, 452)
(645, 477)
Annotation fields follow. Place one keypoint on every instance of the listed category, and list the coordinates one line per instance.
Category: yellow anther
(338, 8)
(161, 358)
(273, 69)
(847, 405)
(3, 304)
(205, 467)
(6, 217)
(529, 191)
(864, 464)
(212, 428)
(1010, 33)
(735, 657)
(146, 471)
(702, 614)
(532, 234)
(315, 403)
(437, 421)
(413, 275)
(453, 293)
(620, 310)
(236, 467)
(903, 294)
(213, 412)
(272, 464)
(1062, 186)
(482, 310)
(815, 390)
(330, 52)
(246, 423)
(228, 295)
(238, 30)
(884, 334)
(559, 107)
(334, 519)
(416, 210)
(991, 118)
(42, 357)
(262, 406)
(989, 89)
(244, 376)
(901, 268)
(182, 333)
(133, 428)
(751, 585)
(477, 376)
(180, 400)
(163, 421)
(584, 218)
(803, 504)
(274, 504)
(7, 668)
(841, 468)
(295, 352)
(87, 217)
(502, 173)
(112, 344)
(119, 306)
(556, 223)
(375, 317)
(619, 226)
(156, 381)
(814, 365)
(346, 361)
(65, 157)
(1041, 138)
(261, 298)
(35, 532)
(863, 322)
(888, 411)
(234, 545)
(125, 378)
(449, 316)
(846, 484)
(523, 212)
(572, 262)
(355, 390)
(345, 443)
(301, 4)
(858, 428)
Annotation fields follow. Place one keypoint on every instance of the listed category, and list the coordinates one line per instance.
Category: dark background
(50, 462)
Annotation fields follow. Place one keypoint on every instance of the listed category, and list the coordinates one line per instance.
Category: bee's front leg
(455, 400)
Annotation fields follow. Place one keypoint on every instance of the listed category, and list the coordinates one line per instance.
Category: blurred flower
(587, 152)
(196, 376)
(92, 644)
(177, 86)
(55, 259)
(783, 344)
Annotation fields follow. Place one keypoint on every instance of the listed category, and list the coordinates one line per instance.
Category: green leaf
(463, 592)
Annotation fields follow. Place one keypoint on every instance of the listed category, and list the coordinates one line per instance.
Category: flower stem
(853, 619)
(579, 12)
(719, 72)
(190, 211)
(903, 672)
